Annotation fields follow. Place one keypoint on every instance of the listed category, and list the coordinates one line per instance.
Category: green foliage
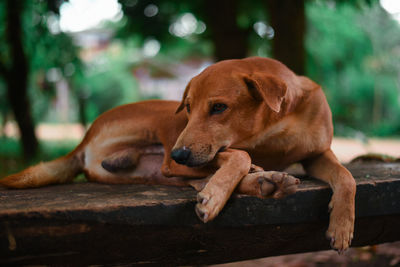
(353, 54)
(98, 85)
(44, 50)
(144, 27)
(136, 23)
(108, 80)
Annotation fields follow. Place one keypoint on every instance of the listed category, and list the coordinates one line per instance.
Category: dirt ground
(347, 149)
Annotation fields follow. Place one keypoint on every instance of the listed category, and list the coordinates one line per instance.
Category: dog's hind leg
(121, 161)
(133, 164)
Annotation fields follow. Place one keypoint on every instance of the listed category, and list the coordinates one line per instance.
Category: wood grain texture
(81, 224)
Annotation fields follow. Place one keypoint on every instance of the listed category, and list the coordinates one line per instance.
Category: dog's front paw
(341, 227)
(210, 202)
(268, 184)
(277, 184)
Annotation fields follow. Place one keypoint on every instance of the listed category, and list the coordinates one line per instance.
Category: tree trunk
(229, 40)
(287, 18)
(17, 79)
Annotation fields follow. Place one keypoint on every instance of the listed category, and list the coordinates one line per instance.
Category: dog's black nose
(181, 155)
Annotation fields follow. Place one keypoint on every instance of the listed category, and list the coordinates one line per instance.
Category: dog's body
(238, 112)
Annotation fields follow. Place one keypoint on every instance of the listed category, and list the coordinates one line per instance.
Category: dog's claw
(341, 248)
(201, 214)
(201, 199)
(201, 208)
(341, 228)
(255, 168)
(330, 207)
(333, 243)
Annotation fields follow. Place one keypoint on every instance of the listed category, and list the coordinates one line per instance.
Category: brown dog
(238, 112)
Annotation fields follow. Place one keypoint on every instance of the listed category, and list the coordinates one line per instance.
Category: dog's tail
(61, 170)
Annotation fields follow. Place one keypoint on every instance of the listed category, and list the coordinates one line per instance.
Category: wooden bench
(82, 224)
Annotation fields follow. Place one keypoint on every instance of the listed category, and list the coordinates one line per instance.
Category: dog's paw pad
(277, 184)
(266, 187)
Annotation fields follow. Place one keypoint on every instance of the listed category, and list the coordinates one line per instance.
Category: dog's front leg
(327, 168)
(232, 165)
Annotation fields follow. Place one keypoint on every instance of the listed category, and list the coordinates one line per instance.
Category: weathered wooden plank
(103, 224)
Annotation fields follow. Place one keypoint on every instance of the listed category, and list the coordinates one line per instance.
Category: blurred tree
(287, 18)
(353, 51)
(230, 40)
(16, 74)
(107, 81)
(384, 65)
(229, 24)
(226, 25)
(27, 51)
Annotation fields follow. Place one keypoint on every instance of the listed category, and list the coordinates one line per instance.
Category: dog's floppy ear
(182, 104)
(269, 88)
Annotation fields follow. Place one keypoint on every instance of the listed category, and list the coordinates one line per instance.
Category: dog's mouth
(222, 149)
(197, 163)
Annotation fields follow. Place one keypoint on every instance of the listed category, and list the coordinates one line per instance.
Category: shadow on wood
(82, 224)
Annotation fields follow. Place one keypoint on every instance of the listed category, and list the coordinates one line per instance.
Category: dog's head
(225, 106)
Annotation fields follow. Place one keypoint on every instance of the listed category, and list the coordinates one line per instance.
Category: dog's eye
(218, 108)
(188, 108)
